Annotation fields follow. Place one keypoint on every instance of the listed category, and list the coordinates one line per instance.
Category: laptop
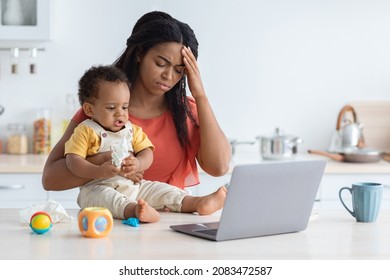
(263, 199)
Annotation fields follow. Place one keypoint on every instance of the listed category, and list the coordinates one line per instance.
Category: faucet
(235, 142)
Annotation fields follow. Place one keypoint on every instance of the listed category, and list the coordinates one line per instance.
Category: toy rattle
(95, 222)
(40, 222)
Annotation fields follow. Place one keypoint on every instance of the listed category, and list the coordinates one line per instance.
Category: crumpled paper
(120, 151)
(53, 208)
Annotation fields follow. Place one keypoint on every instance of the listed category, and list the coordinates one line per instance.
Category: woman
(160, 55)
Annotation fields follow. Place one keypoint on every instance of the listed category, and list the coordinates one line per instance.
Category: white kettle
(350, 132)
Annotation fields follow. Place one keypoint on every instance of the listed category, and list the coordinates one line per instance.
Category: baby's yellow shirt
(86, 142)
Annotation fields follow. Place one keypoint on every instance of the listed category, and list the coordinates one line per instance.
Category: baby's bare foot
(212, 202)
(145, 213)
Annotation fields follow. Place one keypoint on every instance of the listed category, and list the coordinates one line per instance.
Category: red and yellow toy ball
(40, 222)
(95, 222)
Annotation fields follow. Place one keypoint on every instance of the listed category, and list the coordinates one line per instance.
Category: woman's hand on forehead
(193, 74)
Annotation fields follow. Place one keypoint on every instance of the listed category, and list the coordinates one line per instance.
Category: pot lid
(279, 135)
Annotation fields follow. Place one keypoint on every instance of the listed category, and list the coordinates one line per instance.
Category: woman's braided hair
(155, 28)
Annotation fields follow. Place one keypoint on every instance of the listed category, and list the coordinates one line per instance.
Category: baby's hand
(108, 170)
(136, 177)
(131, 166)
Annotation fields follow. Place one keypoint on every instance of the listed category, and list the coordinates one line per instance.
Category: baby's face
(111, 108)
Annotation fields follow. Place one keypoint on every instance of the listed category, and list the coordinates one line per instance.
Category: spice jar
(17, 141)
(1, 144)
(42, 132)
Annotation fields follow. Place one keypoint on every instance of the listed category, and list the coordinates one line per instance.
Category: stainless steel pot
(278, 146)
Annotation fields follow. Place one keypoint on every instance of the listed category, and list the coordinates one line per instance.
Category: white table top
(34, 164)
(334, 235)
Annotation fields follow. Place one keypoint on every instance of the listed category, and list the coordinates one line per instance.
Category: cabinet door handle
(11, 187)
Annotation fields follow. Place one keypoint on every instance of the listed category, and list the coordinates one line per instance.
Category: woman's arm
(56, 176)
(215, 151)
(83, 168)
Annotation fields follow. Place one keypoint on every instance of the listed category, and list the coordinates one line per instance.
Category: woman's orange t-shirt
(172, 163)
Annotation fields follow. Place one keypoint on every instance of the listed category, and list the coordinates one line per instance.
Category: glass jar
(71, 101)
(42, 132)
(17, 141)
(2, 140)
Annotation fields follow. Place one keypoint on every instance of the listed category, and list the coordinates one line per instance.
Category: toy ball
(40, 222)
(95, 222)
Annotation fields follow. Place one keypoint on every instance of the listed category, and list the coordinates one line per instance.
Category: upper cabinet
(24, 20)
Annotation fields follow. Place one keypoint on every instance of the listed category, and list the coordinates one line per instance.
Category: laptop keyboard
(210, 232)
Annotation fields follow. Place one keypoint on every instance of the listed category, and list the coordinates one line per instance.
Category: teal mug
(366, 200)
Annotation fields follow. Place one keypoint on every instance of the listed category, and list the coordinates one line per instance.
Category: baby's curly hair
(90, 81)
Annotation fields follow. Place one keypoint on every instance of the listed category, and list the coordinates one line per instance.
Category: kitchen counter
(35, 163)
(332, 167)
(333, 235)
(20, 180)
(22, 163)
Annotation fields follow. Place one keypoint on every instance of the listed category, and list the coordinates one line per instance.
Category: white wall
(264, 63)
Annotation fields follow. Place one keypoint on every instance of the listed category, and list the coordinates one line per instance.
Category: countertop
(22, 163)
(332, 167)
(35, 163)
(333, 235)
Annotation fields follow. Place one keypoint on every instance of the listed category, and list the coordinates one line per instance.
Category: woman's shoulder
(79, 116)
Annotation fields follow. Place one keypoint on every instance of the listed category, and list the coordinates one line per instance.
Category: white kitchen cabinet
(332, 183)
(21, 186)
(328, 193)
(25, 21)
(68, 198)
(20, 190)
(209, 184)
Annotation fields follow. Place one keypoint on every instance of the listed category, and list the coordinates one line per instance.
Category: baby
(104, 94)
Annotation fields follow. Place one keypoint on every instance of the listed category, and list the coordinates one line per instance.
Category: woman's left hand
(215, 150)
(193, 74)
